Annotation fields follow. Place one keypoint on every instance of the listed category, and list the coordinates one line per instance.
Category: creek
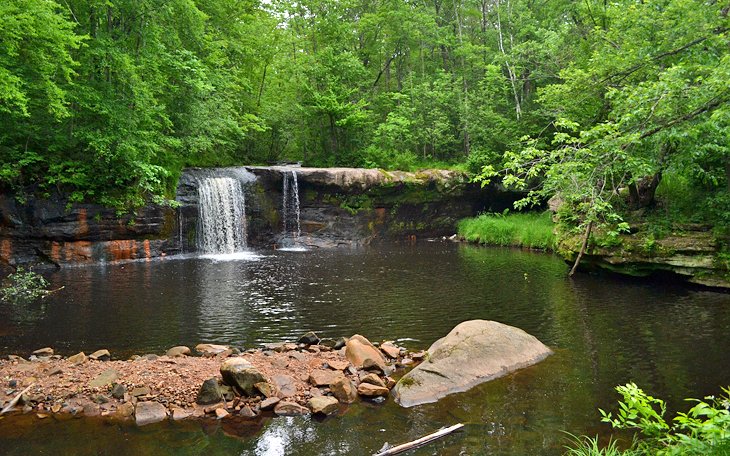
(670, 340)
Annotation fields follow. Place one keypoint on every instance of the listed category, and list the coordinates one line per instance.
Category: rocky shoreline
(308, 377)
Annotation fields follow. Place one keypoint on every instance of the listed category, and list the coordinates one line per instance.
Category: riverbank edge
(312, 377)
(694, 254)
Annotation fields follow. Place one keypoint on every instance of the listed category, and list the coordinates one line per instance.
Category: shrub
(23, 285)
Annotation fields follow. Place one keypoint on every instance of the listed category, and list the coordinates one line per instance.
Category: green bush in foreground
(531, 230)
(703, 430)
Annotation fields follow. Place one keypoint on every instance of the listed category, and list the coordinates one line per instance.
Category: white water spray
(222, 216)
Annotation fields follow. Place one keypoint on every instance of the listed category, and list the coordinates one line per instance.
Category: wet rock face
(149, 412)
(55, 231)
(338, 206)
(692, 255)
(474, 352)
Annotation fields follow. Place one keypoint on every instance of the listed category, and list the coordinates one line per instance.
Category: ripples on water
(605, 331)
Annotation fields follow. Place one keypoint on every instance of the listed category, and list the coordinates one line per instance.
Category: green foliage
(530, 230)
(107, 101)
(589, 446)
(703, 430)
(23, 286)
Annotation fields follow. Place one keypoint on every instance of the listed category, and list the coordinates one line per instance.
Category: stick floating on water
(422, 441)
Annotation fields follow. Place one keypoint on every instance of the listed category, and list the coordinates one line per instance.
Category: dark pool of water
(671, 340)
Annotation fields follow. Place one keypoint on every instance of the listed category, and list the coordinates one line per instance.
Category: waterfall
(222, 213)
(290, 207)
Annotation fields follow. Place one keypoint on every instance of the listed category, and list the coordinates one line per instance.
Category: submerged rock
(344, 390)
(473, 352)
(309, 338)
(286, 408)
(149, 412)
(324, 405)
(370, 390)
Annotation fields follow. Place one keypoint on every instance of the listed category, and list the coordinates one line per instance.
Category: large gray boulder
(241, 374)
(474, 352)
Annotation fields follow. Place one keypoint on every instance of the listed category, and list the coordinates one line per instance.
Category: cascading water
(222, 212)
(290, 209)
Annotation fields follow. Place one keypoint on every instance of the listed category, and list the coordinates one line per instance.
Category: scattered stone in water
(269, 403)
(78, 358)
(209, 392)
(309, 338)
(178, 351)
(340, 343)
(55, 408)
(101, 355)
(241, 374)
(370, 390)
(373, 379)
(389, 349)
(286, 408)
(247, 412)
(107, 377)
(405, 362)
(324, 405)
(221, 413)
(149, 412)
(179, 413)
(344, 390)
(125, 410)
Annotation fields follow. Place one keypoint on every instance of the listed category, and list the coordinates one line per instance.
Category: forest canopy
(109, 100)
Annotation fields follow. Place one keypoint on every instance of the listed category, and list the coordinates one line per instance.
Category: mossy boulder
(474, 352)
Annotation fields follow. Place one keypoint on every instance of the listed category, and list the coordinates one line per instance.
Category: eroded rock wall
(338, 206)
(55, 231)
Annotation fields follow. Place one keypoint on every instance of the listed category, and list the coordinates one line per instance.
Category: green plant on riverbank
(23, 285)
(531, 230)
(703, 430)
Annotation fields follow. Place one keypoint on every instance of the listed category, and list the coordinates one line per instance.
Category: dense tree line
(108, 100)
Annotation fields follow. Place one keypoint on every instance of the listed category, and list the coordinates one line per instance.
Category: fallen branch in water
(422, 441)
(15, 400)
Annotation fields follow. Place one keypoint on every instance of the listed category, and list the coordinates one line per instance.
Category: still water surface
(671, 340)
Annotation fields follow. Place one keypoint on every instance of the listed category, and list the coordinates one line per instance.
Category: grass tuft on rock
(531, 230)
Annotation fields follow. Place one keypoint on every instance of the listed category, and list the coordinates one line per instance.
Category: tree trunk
(643, 191)
(583, 248)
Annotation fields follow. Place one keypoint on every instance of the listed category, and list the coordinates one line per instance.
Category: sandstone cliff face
(54, 231)
(338, 206)
(691, 253)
